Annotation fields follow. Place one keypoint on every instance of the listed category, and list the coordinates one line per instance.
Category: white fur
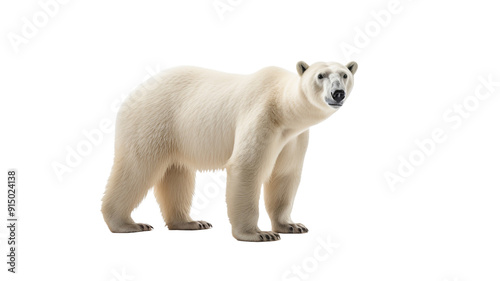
(255, 126)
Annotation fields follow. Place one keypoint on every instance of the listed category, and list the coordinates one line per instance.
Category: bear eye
(345, 76)
(320, 76)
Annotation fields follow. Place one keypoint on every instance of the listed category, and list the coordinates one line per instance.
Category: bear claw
(145, 227)
(291, 228)
(190, 225)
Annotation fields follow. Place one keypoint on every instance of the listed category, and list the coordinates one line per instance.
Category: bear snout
(338, 95)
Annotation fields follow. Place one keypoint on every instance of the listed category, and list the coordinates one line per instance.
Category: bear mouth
(333, 103)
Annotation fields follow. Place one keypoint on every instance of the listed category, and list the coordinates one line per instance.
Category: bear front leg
(251, 162)
(280, 189)
(242, 197)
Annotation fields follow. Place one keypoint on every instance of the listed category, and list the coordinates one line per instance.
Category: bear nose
(338, 95)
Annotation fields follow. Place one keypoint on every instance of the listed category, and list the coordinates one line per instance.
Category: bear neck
(298, 113)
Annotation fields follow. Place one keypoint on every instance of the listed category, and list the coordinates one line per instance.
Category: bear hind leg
(174, 193)
(126, 188)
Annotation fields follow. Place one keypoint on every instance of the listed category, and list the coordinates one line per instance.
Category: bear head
(326, 85)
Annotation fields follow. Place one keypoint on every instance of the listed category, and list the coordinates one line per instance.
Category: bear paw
(258, 236)
(189, 225)
(132, 227)
(290, 228)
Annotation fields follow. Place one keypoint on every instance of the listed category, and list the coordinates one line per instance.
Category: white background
(441, 223)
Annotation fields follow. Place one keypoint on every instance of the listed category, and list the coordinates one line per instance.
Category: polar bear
(193, 119)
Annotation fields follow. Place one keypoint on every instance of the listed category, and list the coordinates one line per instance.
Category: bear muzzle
(338, 97)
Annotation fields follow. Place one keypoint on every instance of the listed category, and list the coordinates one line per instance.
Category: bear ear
(302, 67)
(352, 66)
